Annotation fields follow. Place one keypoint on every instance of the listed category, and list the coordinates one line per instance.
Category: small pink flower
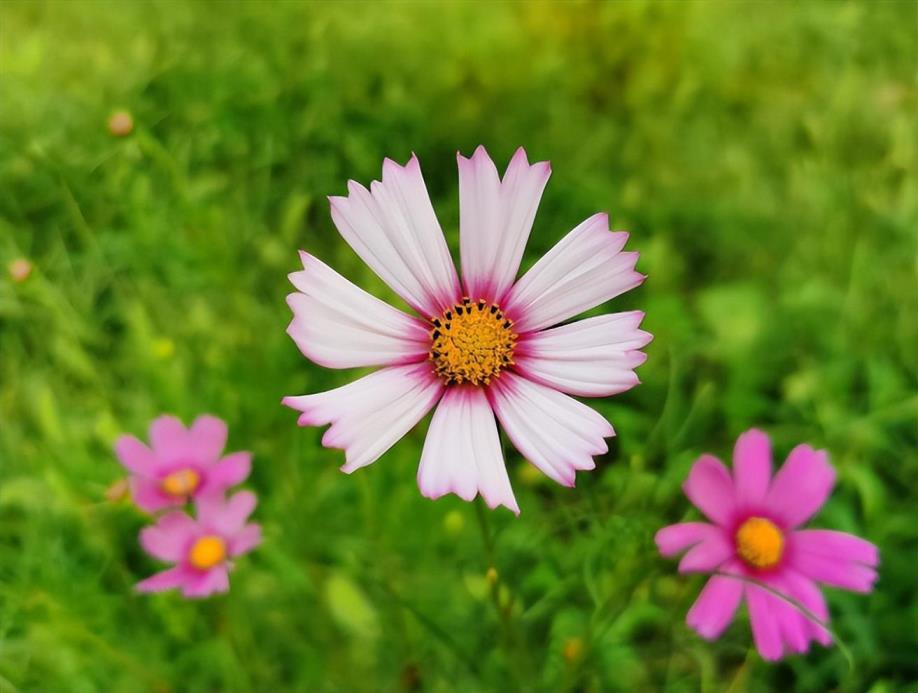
(201, 549)
(183, 463)
(756, 536)
(483, 346)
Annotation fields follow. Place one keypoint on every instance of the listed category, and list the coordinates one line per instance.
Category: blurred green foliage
(763, 156)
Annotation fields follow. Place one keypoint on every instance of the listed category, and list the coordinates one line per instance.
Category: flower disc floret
(472, 343)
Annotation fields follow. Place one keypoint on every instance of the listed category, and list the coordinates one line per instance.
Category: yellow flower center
(207, 552)
(181, 483)
(472, 342)
(759, 542)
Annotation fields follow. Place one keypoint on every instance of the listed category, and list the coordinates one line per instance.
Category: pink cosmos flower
(183, 463)
(756, 536)
(485, 345)
(201, 549)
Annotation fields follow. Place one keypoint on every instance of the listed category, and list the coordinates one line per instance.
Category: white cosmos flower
(485, 345)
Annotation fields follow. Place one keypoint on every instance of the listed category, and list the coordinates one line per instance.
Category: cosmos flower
(756, 536)
(182, 464)
(485, 345)
(201, 549)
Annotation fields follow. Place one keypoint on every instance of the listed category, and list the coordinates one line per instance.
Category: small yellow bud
(120, 124)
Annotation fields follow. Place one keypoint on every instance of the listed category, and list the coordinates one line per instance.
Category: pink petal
(245, 540)
(231, 470)
(710, 489)
(801, 486)
(369, 415)
(679, 537)
(136, 456)
(207, 438)
(462, 453)
(338, 325)
(168, 539)
(584, 269)
(808, 594)
(708, 555)
(764, 610)
(225, 517)
(495, 219)
(165, 580)
(835, 558)
(169, 439)
(204, 584)
(752, 468)
(595, 357)
(713, 611)
(147, 495)
(558, 434)
(394, 230)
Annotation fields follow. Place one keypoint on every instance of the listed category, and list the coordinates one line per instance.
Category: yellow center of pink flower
(207, 552)
(181, 483)
(759, 542)
(471, 343)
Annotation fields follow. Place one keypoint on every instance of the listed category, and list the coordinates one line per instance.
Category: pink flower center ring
(181, 483)
(760, 543)
(472, 342)
(207, 552)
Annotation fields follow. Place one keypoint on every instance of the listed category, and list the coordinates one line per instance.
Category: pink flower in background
(201, 549)
(181, 464)
(483, 346)
(756, 536)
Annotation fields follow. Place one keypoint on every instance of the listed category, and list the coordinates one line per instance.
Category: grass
(763, 156)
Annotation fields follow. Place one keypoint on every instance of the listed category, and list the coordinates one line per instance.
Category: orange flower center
(759, 543)
(207, 552)
(181, 483)
(471, 343)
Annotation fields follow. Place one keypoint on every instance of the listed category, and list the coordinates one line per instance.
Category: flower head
(759, 552)
(181, 464)
(201, 548)
(483, 346)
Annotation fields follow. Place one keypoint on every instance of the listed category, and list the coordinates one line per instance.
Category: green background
(763, 155)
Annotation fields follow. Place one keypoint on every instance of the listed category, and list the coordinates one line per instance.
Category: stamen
(181, 483)
(471, 343)
(207, 552)
(760, 543)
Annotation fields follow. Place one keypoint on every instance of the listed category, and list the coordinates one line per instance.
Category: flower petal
(204, 584)
(393, 228)
(245, 540)
(169, 439)
(369, 415)
(835, 558)
(710, 489)
(462, 453)
(162, 581)
(225, 517)
(595, 357)
(147, 495)
(801, 486)
(809, 595)
(751, 468)
(584, 269)
(679, 537)
(495, 219)
(715, 607)
(136, 456)
(169, 538)
(764, 610)
(708, 555)
(207, 438)
(339, 325)
(231, 470)
(558, 434)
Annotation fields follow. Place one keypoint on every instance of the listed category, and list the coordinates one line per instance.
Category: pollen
(207, 552)
(471, 343)
(759, 543)
(181, 483)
